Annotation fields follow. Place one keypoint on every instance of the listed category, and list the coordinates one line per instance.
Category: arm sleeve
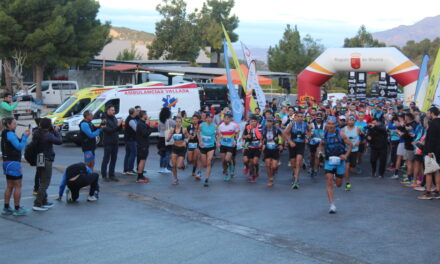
(15, 142)
(133, 124)
(62, 185)
(89, 171)
(86, 129)
(9, 107)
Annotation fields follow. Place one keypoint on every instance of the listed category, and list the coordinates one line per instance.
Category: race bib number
(254, 144)
(227, 142)
(271, 146)
(192, 145)
(178, 137)
(334, 161)
(207, 140)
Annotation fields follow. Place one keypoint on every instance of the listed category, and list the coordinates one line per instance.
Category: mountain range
(428, 27)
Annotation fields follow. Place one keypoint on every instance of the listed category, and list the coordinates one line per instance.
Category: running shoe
(419, 188)
(7, 211)
(34, 193)
(295, 185)
(436, 195)
(48, 205)
(226, 178)
(304, 166)
(68, 196)
(411, 184)
(161, 170)
(91, 199)
(426, 196)
(20, 211)
(394, 177)
(206, 184)
(114, 179)
(231, 170)
(245, 171)
(39, 208)
(347, 187)
(358, 171)
(332, 209)
(270, 184)
(175, 182)
(405, 181)
(165, 170)
(391, 169)
(143, 180)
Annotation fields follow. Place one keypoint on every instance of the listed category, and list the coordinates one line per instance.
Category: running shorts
(338, 170)
(297, 150)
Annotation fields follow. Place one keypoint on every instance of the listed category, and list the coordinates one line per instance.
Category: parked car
(54, 92)
(28, 106)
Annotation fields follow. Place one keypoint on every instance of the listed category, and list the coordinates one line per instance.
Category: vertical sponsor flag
(261, 97)
(433, 83)
(237, 107)
(422, 82)
(238, 68)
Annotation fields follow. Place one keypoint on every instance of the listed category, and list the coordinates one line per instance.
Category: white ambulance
(179, 97)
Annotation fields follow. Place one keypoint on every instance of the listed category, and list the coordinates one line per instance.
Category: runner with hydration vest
(296, 134)
(316, 127)
(272, 145)
(252, 149)
(336, 148)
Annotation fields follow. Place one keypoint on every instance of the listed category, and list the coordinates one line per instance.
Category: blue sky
(262, 22)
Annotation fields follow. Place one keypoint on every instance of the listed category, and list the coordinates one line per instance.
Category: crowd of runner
(328, 137)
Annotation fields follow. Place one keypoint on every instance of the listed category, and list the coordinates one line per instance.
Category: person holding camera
(110, 128)
(11, 147)
(142, 137)
(46, 136)
(6, 107)
(87, 134)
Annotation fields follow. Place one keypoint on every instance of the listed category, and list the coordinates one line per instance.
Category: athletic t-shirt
(207, 134)
(228, 133)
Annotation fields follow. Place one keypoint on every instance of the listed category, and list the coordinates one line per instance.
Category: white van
(177, 97)
(53, 92)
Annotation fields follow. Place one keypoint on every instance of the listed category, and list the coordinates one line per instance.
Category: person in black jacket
(130, 141)
(110, 127)
(378, 138)
(46, 136)
(432, 148)
(143, 132)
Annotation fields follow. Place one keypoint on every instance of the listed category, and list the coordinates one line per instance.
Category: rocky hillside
(426, 28)
(138, 37)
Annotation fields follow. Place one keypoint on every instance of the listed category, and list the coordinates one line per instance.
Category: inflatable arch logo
(389, 60)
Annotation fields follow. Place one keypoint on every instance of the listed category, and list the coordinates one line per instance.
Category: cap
(342, 117)
(352, 117)
(228, 114)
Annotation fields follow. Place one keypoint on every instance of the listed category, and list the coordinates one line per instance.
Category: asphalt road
(235, 222)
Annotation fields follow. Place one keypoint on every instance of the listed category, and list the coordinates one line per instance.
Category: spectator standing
(142, 136)
(378, 138)
(11, 147)
(432, 148)
(165, 123)
(6, 107)
(130, 141)
(110, 128)
(46, 136)
(88, 133)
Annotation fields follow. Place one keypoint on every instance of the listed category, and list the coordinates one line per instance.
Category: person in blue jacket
(75, 177)
(11, 147)
(88, 133)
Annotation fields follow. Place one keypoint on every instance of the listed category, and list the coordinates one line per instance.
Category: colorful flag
(433, 83)
(422, 82)
(237, 107)
(252, 76)
(252, 103)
